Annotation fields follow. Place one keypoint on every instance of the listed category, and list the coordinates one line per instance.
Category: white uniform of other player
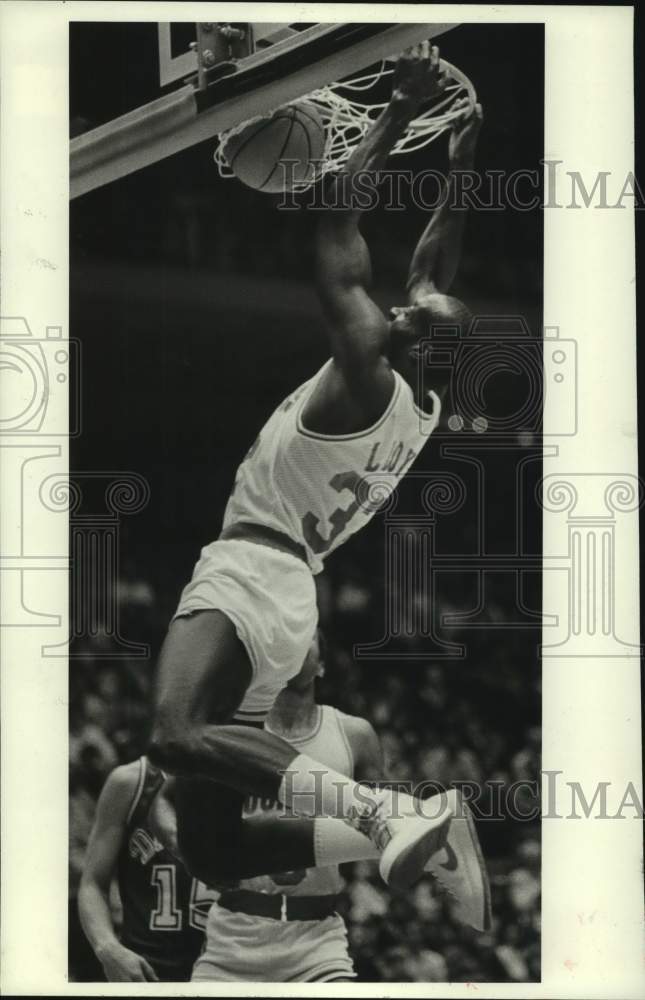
(318, 490)
(240, 947)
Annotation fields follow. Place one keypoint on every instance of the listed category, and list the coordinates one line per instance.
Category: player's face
(408, 326)
(406, 321)
(411, 324)
(407, 364)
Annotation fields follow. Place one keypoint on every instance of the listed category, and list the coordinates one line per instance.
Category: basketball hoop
(347, 119)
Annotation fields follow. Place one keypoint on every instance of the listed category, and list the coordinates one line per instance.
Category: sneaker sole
(403, 860)
(465, 844)
(488, 913)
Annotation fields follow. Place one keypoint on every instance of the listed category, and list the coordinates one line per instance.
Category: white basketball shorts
(270, 597)
(241, 948)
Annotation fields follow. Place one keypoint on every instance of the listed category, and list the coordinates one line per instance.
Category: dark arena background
(192, 299)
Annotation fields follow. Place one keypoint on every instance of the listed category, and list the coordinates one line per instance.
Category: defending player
(284, 928)
(246, 619)
(164, 908)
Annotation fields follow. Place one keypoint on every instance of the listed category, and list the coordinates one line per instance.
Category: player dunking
(246, 619)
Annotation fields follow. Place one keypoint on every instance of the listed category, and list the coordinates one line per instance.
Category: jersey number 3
(339, 519)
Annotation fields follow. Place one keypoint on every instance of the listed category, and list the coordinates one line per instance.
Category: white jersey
(320, 489)
(328, 744)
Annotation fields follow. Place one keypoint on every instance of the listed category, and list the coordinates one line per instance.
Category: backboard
(211, 77)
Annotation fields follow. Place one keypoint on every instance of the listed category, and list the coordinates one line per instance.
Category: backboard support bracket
(218, 48)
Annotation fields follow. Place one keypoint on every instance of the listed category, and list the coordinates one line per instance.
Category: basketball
(295, 133)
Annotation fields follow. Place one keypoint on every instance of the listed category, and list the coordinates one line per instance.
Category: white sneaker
(459, 867)
(405, 837)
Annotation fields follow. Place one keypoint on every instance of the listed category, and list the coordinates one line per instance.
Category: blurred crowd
(475, 721)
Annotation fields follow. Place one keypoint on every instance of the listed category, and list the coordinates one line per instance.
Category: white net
(347, 118)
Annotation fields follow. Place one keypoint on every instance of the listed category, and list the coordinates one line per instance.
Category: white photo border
(592, 906)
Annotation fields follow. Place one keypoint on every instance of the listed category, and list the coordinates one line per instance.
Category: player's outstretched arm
(119, 964)
(358, 328)
(436, 258)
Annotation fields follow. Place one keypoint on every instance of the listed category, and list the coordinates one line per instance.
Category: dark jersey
(164, 908)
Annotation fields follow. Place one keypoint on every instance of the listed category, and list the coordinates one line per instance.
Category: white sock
(336, 842)
(309, 788)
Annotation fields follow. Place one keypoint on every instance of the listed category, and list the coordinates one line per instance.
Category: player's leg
(215, 842)
(204, 672)
(218, 845)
